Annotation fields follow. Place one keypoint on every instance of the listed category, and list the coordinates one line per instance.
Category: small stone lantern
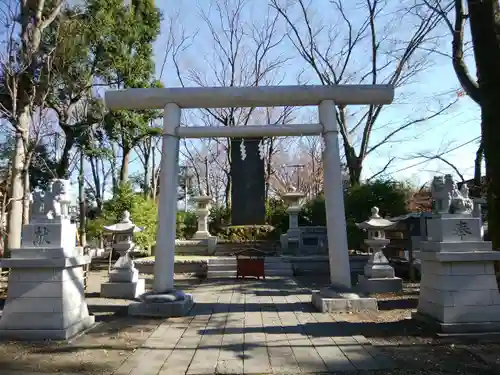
(378, 273)
(124, 279)
(292, 199)
(203, 205)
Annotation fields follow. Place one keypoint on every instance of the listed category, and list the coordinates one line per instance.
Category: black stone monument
(248, 201)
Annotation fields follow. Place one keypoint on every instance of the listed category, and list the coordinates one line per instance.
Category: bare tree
(245, 53)
(372, 41)
(455, 16)
(25, 64)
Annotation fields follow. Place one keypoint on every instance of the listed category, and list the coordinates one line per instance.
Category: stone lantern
(124, 279)
(290, 241)
(292, 199)
(378, 273)
(203, 205)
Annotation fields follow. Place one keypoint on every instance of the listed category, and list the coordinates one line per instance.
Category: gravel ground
(117, 336)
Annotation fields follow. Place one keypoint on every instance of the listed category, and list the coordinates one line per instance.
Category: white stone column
(340, 270)
(167, 208)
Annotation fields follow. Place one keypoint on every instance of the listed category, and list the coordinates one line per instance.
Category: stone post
(124, 279)
(164, 300)
(46, 297)
(339, 295)
(340, 271)
(378, 273)
(167, 207)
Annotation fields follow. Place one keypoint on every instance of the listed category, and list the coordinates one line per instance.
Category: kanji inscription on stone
(462, 229)
(40, 236)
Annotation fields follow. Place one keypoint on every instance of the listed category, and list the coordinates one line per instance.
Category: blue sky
(458, 126)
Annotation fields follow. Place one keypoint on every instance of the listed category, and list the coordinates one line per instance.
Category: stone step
(215, 261)
(279, 272)
(221, 267)
(278, 260)
(221, 274)
(278, 266)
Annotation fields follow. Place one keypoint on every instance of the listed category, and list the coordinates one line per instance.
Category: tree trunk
(27, 194)
(81, 194)
(485, 30)
(62, 170)
(15, 218)
(147, 167)
(478, 162)
(124, 167)
(354, 166)
(153, 180)
(207, 175)
(269, 167)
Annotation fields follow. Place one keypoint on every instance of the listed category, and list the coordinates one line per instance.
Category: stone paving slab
(252, 327)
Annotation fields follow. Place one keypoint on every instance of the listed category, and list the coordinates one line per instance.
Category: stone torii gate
(173, 100)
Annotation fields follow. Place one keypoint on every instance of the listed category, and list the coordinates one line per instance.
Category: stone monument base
(443, 329)
(379, 285)
(62, 334)
(459, 292)
(45, 299)
(123, 290)
(166, 305)
(333, 299)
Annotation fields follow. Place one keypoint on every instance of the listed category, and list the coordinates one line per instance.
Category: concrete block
(326, 305)
(483, 327)
(47, 334)
(460, 282)
(454, 247)
(164, 310)
(379, 285)
(34, 320)
(123, 290)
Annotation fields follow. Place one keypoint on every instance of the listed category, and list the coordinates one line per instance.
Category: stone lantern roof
(375, 221)
(124, 226)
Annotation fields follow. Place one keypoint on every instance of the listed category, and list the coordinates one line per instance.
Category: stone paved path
(251, 327)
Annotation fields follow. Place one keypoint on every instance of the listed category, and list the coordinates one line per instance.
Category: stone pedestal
(340, 299)
(46, 299)
(172, 303)
(124, 279)
(458, 288)
(293, 216)
(205, 246)
(168, 302)
(379, 276)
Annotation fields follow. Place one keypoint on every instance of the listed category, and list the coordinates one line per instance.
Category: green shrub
(143, 212)
(389, 196)
(239, 233)
(186, 224)
(219, 218)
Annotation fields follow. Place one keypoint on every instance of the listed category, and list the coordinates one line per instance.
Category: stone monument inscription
(248, 206)
(41, 234)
